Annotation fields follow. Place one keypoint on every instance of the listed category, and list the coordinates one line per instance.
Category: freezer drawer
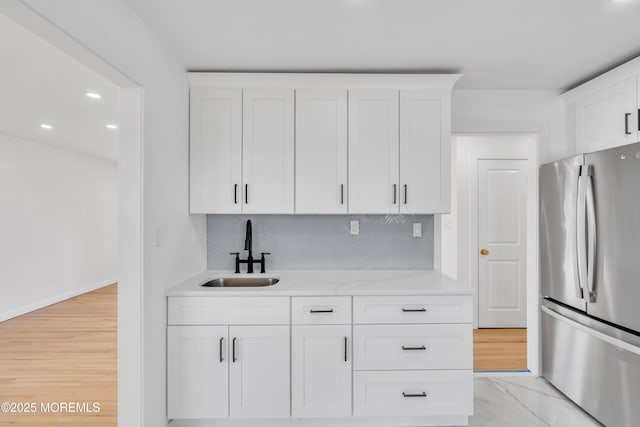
(598, 372)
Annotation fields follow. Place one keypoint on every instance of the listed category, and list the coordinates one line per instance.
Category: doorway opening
(494, 224)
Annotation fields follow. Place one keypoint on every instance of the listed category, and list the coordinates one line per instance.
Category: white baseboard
(49, 301)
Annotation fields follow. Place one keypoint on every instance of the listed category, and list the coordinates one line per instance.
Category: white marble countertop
(307, 283)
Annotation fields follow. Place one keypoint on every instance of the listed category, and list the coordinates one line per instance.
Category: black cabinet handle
(423, 394)
(246, 194)
(321, 311)
(413, 310)
(342, 194)
(345, 349)
(405, 194)
(626, 123)
(395, 187)
(638, 119)
(233, 350)
(235, 194)
(414, 348)
(221, 358)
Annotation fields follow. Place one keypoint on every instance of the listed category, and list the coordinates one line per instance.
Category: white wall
(58, 225)
(112, 31)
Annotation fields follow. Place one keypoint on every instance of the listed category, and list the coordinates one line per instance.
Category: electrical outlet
(157, 237)
(355, 228)
(417, 229)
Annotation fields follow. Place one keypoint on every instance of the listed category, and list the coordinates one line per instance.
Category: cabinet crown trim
(322, 80)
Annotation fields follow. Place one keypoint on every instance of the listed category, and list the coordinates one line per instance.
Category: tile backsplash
(323, 242)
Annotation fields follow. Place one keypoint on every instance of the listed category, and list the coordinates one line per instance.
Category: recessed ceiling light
(93, 95)
(46, 126)
(112, 126)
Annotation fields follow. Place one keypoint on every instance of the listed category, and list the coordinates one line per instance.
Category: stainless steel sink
(240, 282)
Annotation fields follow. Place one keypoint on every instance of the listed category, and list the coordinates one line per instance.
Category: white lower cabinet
(259, 372)
(321, 365)
(198, 372)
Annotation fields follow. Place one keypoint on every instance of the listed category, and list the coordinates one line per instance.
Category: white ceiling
(497, 44)
(41, 84)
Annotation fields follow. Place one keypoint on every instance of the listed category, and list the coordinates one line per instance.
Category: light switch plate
(417, 229)
(355, 228)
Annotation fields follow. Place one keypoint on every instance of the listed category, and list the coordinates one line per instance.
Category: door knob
(484, 252)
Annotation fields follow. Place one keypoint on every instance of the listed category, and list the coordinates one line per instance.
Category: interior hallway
(66, 352)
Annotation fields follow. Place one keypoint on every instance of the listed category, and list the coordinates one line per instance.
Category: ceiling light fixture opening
(46, 126)
(112, 126)
(93, 95)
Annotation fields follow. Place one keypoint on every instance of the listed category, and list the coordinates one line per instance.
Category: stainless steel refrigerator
(590, 281)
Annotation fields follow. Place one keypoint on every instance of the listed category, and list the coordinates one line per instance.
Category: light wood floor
(499, 349)
(62, 353)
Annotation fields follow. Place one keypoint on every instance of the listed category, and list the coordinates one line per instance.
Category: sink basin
(240, 282)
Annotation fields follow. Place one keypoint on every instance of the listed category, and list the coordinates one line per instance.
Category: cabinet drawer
(388, 347)
(321, 310)
(413, 393)
(412, 309)
(228, 311)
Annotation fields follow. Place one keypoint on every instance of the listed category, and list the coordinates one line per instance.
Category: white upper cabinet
(424, 151)
(373, 151)
(215, 150)
(321, 151)
(268, 151)
(607, 117)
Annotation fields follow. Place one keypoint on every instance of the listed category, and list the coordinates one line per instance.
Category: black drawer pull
(221, 358)
(414, 310)
(414, 348)
(321, 311)
(233, 350)
(423, 394)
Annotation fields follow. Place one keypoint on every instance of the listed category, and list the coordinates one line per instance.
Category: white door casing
(268, 151)
(197, 372)
(215, 150)
(502, 230)
(374, 169)
(321, 151)
(321, 364)
(259, 373)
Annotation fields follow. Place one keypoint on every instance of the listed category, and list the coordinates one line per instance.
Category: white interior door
(502, 231)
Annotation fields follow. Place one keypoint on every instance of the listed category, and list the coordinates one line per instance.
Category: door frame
(130, 205)
(469, 149)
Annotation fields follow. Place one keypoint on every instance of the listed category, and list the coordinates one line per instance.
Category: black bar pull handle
(638, 119)
(221, 358)
(395, 187)
(414, 348)
(345, 349)
(246, 194)
(235, 194)
(626, 123)
(330, 310)
(233, 350)
(342, 194)
(405, 194)
(423, 394)
(414, 310)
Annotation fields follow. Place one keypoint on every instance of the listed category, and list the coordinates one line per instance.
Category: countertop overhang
(319, 283)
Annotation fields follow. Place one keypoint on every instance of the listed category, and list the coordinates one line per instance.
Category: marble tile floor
(524, 401)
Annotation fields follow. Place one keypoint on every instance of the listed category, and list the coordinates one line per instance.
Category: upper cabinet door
(424, 151)
(607, 118)
(267, 151)
(373, 151)
(321, 151)
(215, 151)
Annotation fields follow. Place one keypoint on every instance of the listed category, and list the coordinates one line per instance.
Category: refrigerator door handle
(591, 233)
(581, 244)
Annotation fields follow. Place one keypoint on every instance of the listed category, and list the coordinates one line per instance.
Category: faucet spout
(248, 238)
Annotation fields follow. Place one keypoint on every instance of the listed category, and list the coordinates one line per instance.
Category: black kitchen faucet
(247, 247)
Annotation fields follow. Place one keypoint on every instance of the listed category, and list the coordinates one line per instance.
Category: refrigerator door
(614, 294)
(559, 275)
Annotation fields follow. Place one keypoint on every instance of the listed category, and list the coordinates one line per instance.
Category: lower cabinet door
(321, 371)
(197, 372)
(413, 393)
(259, 371)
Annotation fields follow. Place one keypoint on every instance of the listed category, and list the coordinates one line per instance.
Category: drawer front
(321, 310)
(388, 347)
(413, 393)
(228, 311)
(412, 309)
